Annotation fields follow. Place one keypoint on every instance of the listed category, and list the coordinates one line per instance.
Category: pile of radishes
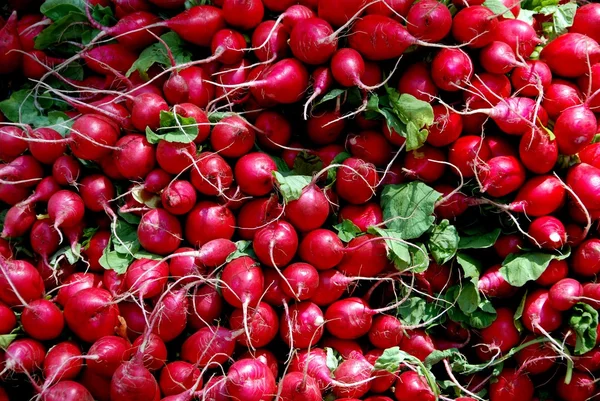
(299, 200)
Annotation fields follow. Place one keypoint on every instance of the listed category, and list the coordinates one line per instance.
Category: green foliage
(157, 54)
(173, 128)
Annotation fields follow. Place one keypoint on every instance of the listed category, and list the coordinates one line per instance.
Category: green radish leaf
(291, 186)
(468, 300)
(391, 358)
(71, 255)
(60, 122)
(526, 16)
(584, 321)
(519, 313)
(88, 233)
(419, 258)
(69, 27)
(333, 94)
(157, 54)
(415, 137)
(217, 116)
(471, 267)
(103, 15)
(21, 107)
(416, 310)
(408, 208)
(397, 249)
(410, 109)
(347, 230)
(173, 128)
(142, 254)
(244, 248)
(483, 315)
(437, 356)
(443, 242)
(339, 159)
(479, 241)
(333, 359)
(56, 9)
(6, 340)
(125, 239)
(145, 198)
(499, 8)
(118, 262)
(518, 269)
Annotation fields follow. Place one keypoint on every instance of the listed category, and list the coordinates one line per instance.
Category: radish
(216, 221)
(198, 24)
(547, 232)
(171, 315)
(382, 380)
(179, 197)
(76, 282)
(586, 258)
(129, 30)
(356, 181)
(66, 170)
(511, 385)
(466, 151)
(310, 211)
(581, 387)
(159, 232)
(177, 377)
(283, 82)
(273, 47)
(208, 346)
(539, 196)
(211, 174)
(63, 362)
(363, 216)
(429, 21)
(417, 343)
(146, 109)
(152, 349)
(186, 267)
(275, 245)
(574, 129)
(371, 147)
(243, 14)
(189, 86)
(23, 171)
(232, 41)
(416, 81)
(301, 281)
(156, 180)
(67, 391)
(385, 332)
(325, 128)
(29, 27)
(580, 50)
(487, 89)
(24, 356)
(109, 59)
(10, 45)
(43, 191)
(498, 58)
(255, 214)
(586, 17)
(474, 25)
(321, 248)
(273, 130)
(146, 277)
(42, 320)
(20, 282)
(556, 270)
(590, 155)
(452, 207)
(538, 315)
(232, 137)
(521, 36)
(410, 386)
(90, 314)
(451, 69)
(501, 175)
(502, 333)
(352, 377)
(584, 180)
(18, 221)
(13, 143)
(243, 282)
(389, 8)
(559, 96)
(262, 323)
(536, 358)
(253, 172)
(295, 386)
(531, 78)
(132, 381)
(332, 286)
(205, 307)
(8, 321)
(564, 294)
(303, 327)
(538, 152)
(108, 353)
(340, 13)
(446, 128)
(250, 379)
(135, 157)
(492, 284)
(365, 256)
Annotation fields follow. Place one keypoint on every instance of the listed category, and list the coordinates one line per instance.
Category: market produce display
(299, 200)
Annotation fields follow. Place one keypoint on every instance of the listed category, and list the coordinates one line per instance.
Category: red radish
(453, 206)
(321, 82)
(548, 232)
(314, 363)
(275, 245)
(382, 380)
(8, 319)
(338, 14)
(539, 315)
(159, 232)
(489, 89)
(356, 180)
(296, 387)
(179, 197)
(153, 350)
(574, 129)
(129, 29)
(229, 44)
(43, 191)
(29, 27)
(109, 59)
(385, 332)
(352, 377)
(178, 377)
(348, 68)
(156, 180)
(492, 284)
(512, 385)
(185, 269)
(349, 318)
(322, 129)
(146, 111)
(586, 18)
(411, 386)
(581, 387)
(75, 283)
(253, 172)
(365, 256)
(446, 128)
(190, 86)
(474, 25)
(90, 314)
(556, 270)
(132, 381)
(332, 285)
(521, 36)
(273, 130)
(363, 216)
(42, 320)
(536, 358)
(424, 164)
(10, 45)
(586, 258)
(538, 152)
(24, 171)
(564, 294)
(266, 357)
(13, 143)
(528, 80)
(321, 248)
(109, 353)
(167, 3)
(135, 157)
(559, 96)
(451, 69)
(171, 315)
(267, 48)
(195, 112)
(66, 170)
(251, 380)
(243, 14)
(262, 323)
(466, 152)
(502, 333)
(209, 214)
(303, 327)
(211, 174)
(498, 58)
(540, 196)
(390, 7)
(301, 281)
(429, 21)
(19, 282)
(198, 24)
(274, 289)
(209, 345)
(67, 391)
(256, 214)
(243, 282)
(146, 277)
(63, 362)
(580, 51)
(591, 155)
(283, 82)
(24, 355)
(309, 211)
(584, 180)
(18, 220)
(205, 307)
(501, 175)
(348, 349)
(417, 343)
(232, 137)
(371, 147)
(416, 81)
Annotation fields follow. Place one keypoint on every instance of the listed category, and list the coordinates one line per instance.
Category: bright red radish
(538, 315)
(63, 362)
(411, 386)
(512, 385)
(539, 196)
(548, 232)
(569, 55)
(24, 355)
(586, 258)
(159, 232)
(275, 245)
(474, 25)
(251, 380)
(304, 325)
(564, 294)
(90, 314)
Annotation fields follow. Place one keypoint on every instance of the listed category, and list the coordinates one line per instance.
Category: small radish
(90, 314)
(474, 25)
(538, 315)
(559, 96)
(108, 352)
(42, 320)
(66, 170)
(253, 173)
(416, 80)
(159, 232)
(520, 35)
(512, 385)
(251, 380)
(18, 221)
(310, 211)
(564, 294)
(548, 232)
(538, 152)
(581, 387)
(569, 55)
(429, 21)
(211, 174)
(208, 221)
(412, 386)
(363, 216)
(586, 258)
(321, 248)
(24, 356)
(451, 69)
(303, 327)
(275, 245)
(63, 362)
(540, 196)
(356, 181)
(502, 333)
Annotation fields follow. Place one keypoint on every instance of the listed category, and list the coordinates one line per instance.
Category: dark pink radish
(424, 164)
(19, 282)
(273, 130)
(198, 24)
(110, 168)
(93, 137)
(570, 55)
(18, 221)
(322, 130)
(586, 258)
(75, 283)
(492, 284)
(196, 90)
(134, 316)
(514, 115)
(536, 358)
(232, 137)
(502, 334)
(564, 294)
(412, 386)
(556, 271)
(128, 30)
(385, 332)
(377, 38)
(209, 221)
(275, 245)
(321, 248)
(584, 180)
(243, 14)
(146, 109)
(371, 147)
(559, 96)
(43, 191)
(179, 197)
(487, 89)
(29, 27)
(348, 67)
(283, 82)
(98, 386)
(416, 81)
(63, 362)
(178, 377)
(251, 380)
(187, 268)
(24, 355)
(538, 152)
(581, 387)
(501, 175)
(159, 232)
(429, 21)
(153, 350)
(135, 157)
(337, 14)
(314, 363)
(66, 170)
(356, 181)
(365, 256)
(574, 129)
(453, 206)
(352, 377)
(171, 311)
(294, 14)
(591, 155)
(8, 319)
(232, 76)
(90, 314)
(332, 285)
(382, 380)
(67, 391)
(586, 19)
(108, 353)
(539, 196)
(417, 343)
(267, 48)
(303, 327)
(146, 277)
(133, 382)
(538, 315)
(530, 79)
(96, 191)
(211, 174)
(10, 45)
(243, 282)
(12, 143)
(274, 294)
(363, 216)
(349, 318)
(466, 152)
(451, 69)
(208, 346)
(500, 146)
(498, 58)
(309, 211)
(109, 59)
(513, 385)
(42, 320)
(389, 8)
(253, 173)
(256, 214)
(474, 25)
(521, 36)
(262, 323)
(157, 180)
(328, 153)
(446, 128)
(301, 281)
(295, 386)
(25, 171)
(215, 252)
(548, 232)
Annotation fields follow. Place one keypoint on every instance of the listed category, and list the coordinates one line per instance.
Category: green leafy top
(173, 128)
(157, 54)
(42, 111)
(291, 186)
(584, 321)
(518, 269)
(562, 15)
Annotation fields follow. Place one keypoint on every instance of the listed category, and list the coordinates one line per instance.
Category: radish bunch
(263, 200)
